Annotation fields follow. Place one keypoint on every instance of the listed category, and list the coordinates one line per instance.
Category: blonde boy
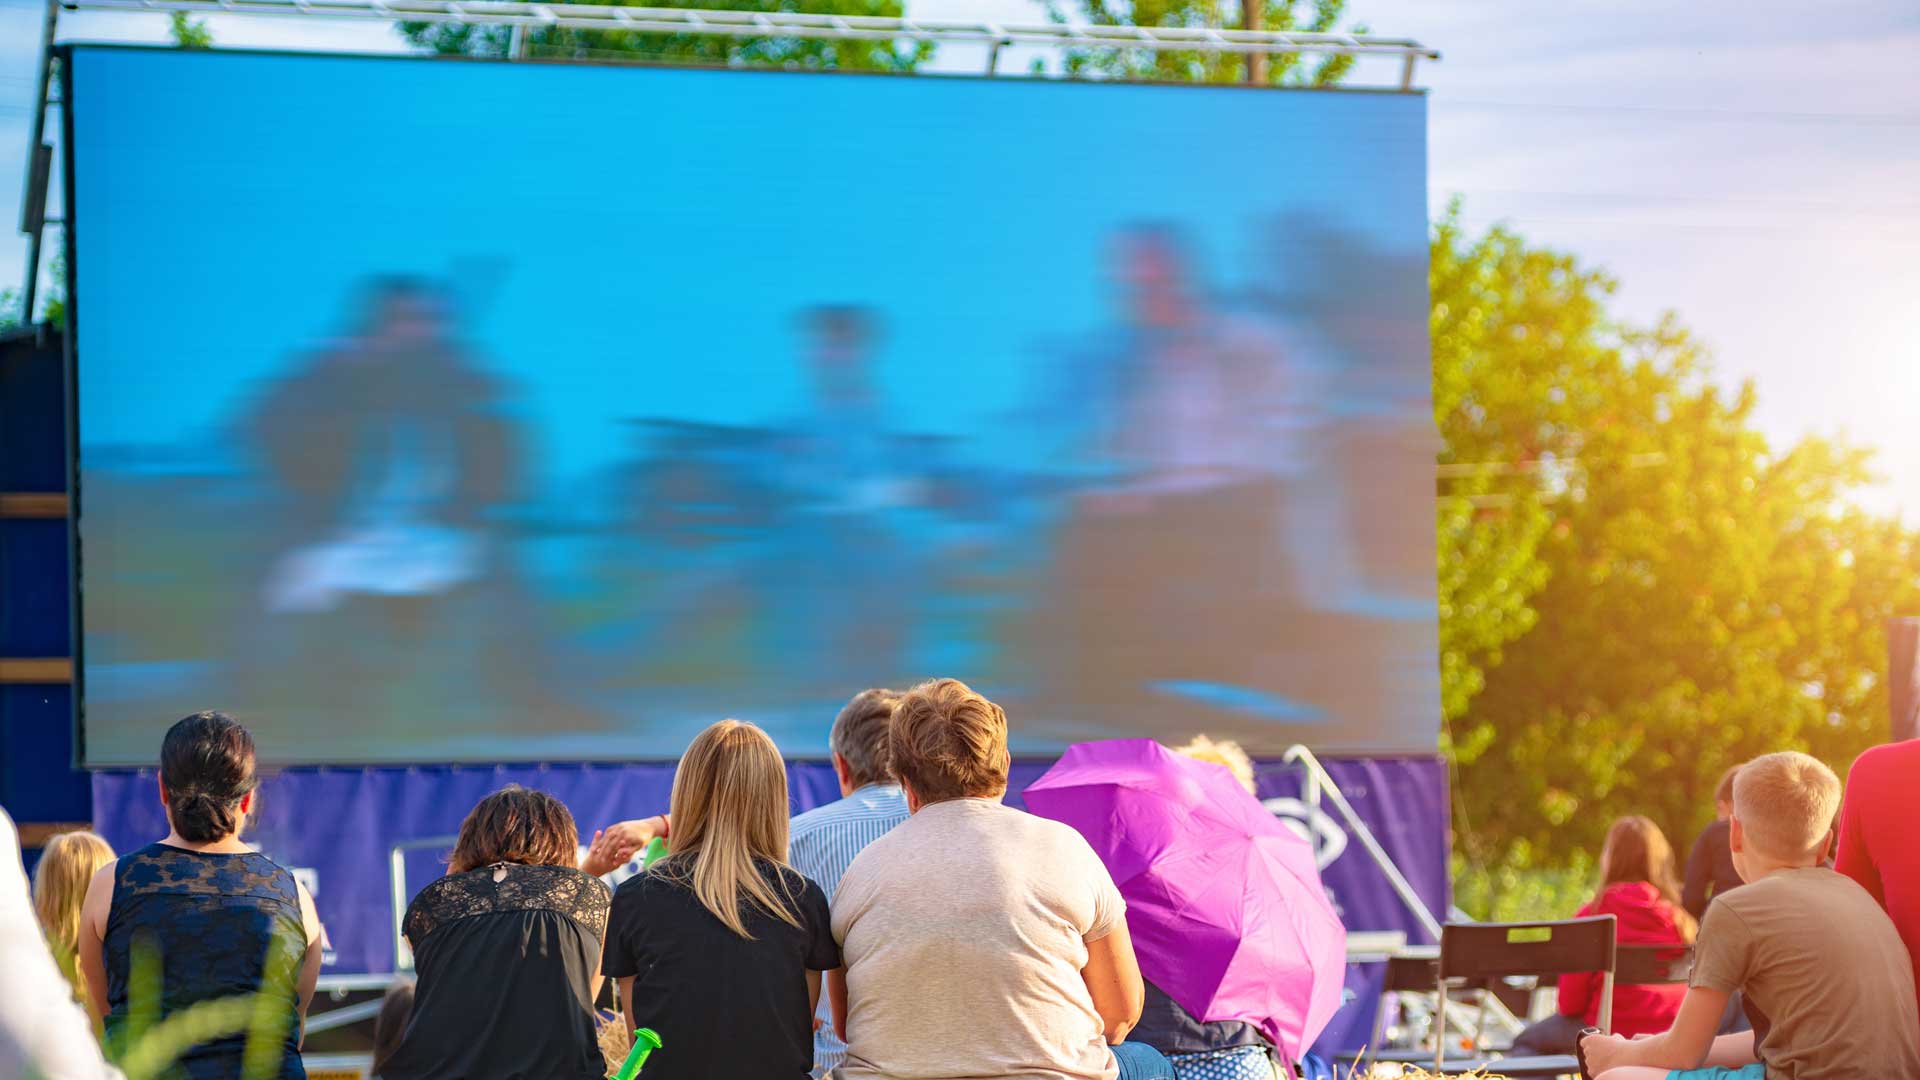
(1808, 947)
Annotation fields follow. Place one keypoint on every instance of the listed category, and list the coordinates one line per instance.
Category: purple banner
(337, 827)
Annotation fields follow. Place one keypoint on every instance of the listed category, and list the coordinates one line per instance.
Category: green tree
(1700, 597)
(777, 51)
(188, 33)
(53, 298)
(1283, 69)
(1490, 528)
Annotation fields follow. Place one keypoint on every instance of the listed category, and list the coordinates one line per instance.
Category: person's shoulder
(894, 849)
(1619, 896)
(1051, 844)
(811, 821)
(579, 893)
(784, 876)
(648, 884)
(1040, 830)
(1812, 890)
(441, 887)
(1901, 759)
(1831, 890)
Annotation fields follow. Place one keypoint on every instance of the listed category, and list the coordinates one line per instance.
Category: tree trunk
(1254, 13)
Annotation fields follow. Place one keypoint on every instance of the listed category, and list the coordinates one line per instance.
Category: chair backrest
(1417, 974)
(1652, 965)
(1497, 950)
(1489, 951)
(1411, 974)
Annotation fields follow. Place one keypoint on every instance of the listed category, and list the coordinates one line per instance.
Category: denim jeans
(1138, 1061)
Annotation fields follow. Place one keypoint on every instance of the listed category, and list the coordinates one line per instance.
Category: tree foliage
(776, 51)
(52, 299)
(1660, 593)
(189, 33)
(1284, 69)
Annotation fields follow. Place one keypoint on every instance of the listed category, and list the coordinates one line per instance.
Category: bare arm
(1685, 1045)
(616, 845)
(93, 932)
(594, 980)
(813, 993)
(625, 986)
(837, 1000)
(310, 963)
(1113, 979)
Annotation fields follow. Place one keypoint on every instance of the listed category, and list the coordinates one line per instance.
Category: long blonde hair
(67, 864)
(730, 809)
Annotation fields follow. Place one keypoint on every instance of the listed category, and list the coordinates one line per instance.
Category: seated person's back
(964, 932)
(1813, 951)
(1805, 945)
(719, 946)
(507, 950)
(219, 919)
(1878, 848)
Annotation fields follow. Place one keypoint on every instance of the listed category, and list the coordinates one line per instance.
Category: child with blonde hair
(67, 864)
(1225, 753)
(1808, 947)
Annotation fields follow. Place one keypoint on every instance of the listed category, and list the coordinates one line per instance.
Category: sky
(1753, 166)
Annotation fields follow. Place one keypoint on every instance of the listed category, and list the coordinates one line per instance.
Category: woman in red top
(1638, 887)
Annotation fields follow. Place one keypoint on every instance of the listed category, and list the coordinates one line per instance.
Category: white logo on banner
(1313, 825)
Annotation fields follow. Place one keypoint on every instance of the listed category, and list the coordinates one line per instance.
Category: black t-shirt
(1710, 869)
(505, 958)
(722, 1005)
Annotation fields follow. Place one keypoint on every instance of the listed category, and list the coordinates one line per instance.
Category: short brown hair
(949, 742)
(860, 735)
(1724, 793)
(516, 825)
(1785, 804)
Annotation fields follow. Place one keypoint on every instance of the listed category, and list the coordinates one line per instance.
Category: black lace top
(505, 957)
(219, 925)
(508, 887)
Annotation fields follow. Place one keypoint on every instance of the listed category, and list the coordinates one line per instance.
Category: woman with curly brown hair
(506, 948)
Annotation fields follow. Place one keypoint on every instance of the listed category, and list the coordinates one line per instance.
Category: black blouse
(505, 957)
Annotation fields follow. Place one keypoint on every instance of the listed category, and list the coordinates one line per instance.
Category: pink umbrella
(1224, 901)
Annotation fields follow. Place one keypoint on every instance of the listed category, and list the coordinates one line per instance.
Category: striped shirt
(821, 844)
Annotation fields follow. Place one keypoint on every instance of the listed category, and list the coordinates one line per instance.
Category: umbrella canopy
(1223, 899)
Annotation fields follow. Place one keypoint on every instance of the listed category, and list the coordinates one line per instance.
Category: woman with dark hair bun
(506, 948)
(220, 919)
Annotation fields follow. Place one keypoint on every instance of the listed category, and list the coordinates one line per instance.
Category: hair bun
(201, 817)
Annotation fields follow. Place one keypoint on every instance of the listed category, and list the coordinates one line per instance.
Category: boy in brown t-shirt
(1808, 946)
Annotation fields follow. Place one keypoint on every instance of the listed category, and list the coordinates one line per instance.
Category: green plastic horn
(645, 1042)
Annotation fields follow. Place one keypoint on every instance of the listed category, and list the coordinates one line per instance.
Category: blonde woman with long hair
(67, 864)
(719, 947)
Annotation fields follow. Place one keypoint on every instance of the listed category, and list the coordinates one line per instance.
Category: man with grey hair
(823, 841)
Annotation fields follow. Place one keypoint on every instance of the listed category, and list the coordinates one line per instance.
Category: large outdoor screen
(437, 410)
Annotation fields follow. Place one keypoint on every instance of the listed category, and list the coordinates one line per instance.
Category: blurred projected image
(1143, 466)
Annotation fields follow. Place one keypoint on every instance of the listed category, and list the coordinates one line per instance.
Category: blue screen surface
(439, 410)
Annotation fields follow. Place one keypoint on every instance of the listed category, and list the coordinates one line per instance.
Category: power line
(1877, 119)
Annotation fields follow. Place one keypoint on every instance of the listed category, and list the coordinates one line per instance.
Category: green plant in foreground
(149, 1047)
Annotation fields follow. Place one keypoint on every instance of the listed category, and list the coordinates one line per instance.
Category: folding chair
(1485, 952)
(1410, 971)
